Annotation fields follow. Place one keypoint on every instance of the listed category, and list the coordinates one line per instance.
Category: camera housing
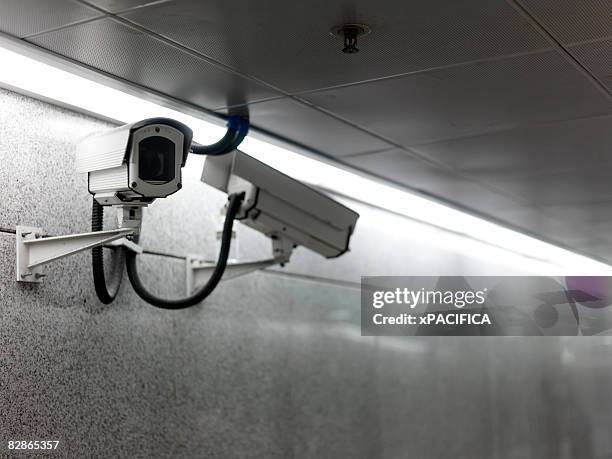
(280, 206)
(136, 163)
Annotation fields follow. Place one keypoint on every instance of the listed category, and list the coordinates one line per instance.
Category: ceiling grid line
(194, 53)
(424, 71)
(110, 77)
(185, 49)
(504, 130)
(132, 8)
(590, 41)
(548, 35)
(64, 26)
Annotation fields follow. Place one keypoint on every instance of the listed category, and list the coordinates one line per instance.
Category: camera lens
(156, 159)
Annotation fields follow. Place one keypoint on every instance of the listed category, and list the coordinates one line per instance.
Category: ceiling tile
(398, 166)
(468, 100)
(598, 213)
(573, 20)
(523, 152)
(312, 128)
(529, 218)
(288, 44)
(576, 186)
(585, 226)
(544, 224)
(129, 54)
(26, 17)
(597, 58)
(560, 164)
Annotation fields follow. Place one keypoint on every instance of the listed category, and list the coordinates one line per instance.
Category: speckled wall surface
(273, 364)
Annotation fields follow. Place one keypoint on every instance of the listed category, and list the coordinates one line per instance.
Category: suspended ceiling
(502, 107)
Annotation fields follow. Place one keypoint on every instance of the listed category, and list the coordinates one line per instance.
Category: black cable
(237, 129)
(226, 239)
(105, 295)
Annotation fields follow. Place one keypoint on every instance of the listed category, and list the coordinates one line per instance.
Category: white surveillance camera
(280, 206)
(136, 163)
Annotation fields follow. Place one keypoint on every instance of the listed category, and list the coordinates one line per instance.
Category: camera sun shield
(135, 163)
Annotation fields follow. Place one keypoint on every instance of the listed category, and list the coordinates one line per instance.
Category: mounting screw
(24, 275)
(179, 185)
(349, 33)
(26, 233)
(134, 184)
(39, 275)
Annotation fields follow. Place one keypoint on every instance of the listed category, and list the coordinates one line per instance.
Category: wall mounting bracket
(198, 270)
(33, 250)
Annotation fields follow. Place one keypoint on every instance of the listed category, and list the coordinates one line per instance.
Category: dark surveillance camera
(136, 163)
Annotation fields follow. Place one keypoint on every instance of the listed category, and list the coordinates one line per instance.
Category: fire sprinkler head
(349, 33)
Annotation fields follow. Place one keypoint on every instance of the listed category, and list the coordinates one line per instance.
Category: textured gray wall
(273, 364)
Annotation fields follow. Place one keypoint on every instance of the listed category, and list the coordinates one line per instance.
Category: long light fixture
(487, 239)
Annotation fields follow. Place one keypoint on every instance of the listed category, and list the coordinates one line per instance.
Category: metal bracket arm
(33, 250)
(127, 244)
(198, 270)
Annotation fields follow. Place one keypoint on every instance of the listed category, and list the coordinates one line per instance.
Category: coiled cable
(235, 200)
(105, 294)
